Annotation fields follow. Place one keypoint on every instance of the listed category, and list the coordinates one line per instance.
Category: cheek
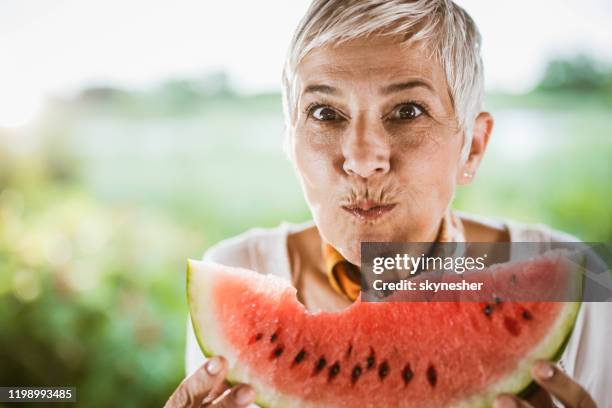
(427, 165)
(315, 166)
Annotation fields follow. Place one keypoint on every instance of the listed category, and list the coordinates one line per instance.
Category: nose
(366, 150)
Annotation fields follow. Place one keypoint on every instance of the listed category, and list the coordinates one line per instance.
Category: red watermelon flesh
(410, 354)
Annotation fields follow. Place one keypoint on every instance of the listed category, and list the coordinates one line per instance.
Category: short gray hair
(440, 25)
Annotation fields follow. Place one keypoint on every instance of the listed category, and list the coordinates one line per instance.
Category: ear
(481, 132)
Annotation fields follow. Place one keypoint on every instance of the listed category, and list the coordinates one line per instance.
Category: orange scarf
(344, 277)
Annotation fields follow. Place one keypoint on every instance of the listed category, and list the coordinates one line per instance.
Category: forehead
(379, 59)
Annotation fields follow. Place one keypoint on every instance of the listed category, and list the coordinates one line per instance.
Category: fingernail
(245, 395)
(213, 366)
(544, 370)
(504, 402)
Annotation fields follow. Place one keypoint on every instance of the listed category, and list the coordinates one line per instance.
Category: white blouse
(587, 355)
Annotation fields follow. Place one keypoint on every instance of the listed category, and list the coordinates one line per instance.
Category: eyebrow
(319, 88)
(393, 88)
(402, 86)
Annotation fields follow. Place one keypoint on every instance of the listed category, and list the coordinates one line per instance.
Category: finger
(564, 388)
(539, 397)
(510, 401)
(240, 396)
(216, 392)
(192, 391)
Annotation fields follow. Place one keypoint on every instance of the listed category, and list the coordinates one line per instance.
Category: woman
(383, 106)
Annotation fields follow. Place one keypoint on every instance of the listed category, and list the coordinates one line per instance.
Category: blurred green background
(105, 196)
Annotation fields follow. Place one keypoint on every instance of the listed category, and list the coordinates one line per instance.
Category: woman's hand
(207, 388)
(553, 382)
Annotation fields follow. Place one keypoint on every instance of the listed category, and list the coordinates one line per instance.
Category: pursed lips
(368, 210)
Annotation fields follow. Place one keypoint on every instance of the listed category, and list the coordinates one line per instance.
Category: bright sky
(58, 46)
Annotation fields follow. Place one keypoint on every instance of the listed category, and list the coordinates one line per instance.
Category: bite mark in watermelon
(412, 354)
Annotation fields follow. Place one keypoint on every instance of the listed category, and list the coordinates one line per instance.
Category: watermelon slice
(411, 354)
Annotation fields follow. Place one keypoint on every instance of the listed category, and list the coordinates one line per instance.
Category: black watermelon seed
(527, 315)
(487, 310)
(497, 300)
(356, 373)
(407, 374)
(334, 370)
(273, 337)
(299, 356)
(371, 361)
(320, 365)
(432, 376)
(256, 338)
(383, 370)
(349, 350)
(278, 351)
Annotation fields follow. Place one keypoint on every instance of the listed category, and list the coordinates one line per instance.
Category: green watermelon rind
(520, 383)
(557, 343)
(231, 378)
(533, 386)
(196, 331)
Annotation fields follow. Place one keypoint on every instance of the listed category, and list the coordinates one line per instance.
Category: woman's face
(375, 142)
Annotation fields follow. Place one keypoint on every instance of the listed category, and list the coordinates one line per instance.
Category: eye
(324, 113)
(407, 111)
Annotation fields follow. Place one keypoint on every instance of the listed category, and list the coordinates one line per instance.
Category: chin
(352, 253)
(346, 234)
(375, 233)
(351, 248)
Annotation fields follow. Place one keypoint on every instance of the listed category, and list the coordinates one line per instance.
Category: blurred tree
(183, 94)
(99, 93)
(580, 73)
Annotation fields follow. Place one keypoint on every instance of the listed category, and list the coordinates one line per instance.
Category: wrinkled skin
(375, 122)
